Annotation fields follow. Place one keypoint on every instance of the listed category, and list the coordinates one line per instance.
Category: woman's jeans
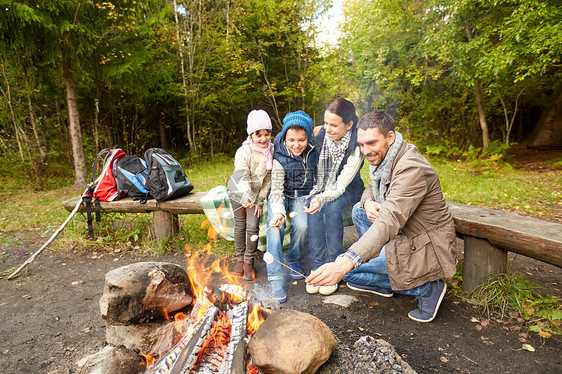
(326, 230)
(299, 237)
(374, 272)
(246, 224)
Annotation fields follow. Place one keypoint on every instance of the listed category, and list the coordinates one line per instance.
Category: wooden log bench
(488, 234)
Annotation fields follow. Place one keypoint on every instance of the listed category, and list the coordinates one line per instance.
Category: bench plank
(188, 204)
(536, 238)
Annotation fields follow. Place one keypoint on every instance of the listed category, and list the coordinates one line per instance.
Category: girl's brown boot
(238, 268)
(249, 272)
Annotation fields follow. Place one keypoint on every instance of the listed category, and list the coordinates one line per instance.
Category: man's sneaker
(328, 290)
(296, 269)
(428, 304)
(276, 291)
(372, 289)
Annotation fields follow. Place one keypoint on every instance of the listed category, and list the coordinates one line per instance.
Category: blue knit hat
(300, 119)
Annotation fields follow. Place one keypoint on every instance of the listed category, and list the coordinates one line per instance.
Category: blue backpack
(131, 178)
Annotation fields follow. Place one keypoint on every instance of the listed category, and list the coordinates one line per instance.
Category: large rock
(289, 341)
(112, 360)
(139, 292)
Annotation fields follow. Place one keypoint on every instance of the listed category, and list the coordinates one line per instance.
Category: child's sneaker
(276, 291)
(296, 270)
(428, 304)
(312, 289)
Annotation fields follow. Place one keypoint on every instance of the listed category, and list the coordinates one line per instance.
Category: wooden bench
(165, 213)
(488, 234)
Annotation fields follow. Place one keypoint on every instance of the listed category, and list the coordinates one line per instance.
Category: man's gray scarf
(380, 173)
(329, 162)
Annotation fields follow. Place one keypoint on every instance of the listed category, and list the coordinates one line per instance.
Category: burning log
(181, 358)
(235, 361)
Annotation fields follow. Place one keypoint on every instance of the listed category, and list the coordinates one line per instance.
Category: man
(406, 231)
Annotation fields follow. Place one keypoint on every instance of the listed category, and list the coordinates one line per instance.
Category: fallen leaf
(485, 322)
(478, 327)
(456, 302)
(556, 322)
(515, 328)
(443, 359)
(374, 303)
(483, 338)
(528, 347)
(360, 328)
(522, 340)
(475, 320)
(545, 334)
(505, 327)
(513, 314)
(530, 311)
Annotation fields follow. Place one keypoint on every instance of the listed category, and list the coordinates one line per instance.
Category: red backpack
(103, 188)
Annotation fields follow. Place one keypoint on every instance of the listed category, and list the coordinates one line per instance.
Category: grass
(514, 296)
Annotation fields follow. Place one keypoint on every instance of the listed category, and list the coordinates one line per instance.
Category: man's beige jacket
(414, 224)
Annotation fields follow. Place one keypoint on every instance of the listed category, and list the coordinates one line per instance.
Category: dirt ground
(50, 315)
(51, 318)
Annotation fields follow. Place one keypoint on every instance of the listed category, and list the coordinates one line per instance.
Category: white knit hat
(258, 120)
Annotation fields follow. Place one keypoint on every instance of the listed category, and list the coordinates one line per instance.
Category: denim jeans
(299, 238)
(374, 272)
(326, 230)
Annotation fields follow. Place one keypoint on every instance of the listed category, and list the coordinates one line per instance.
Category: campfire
(164, 318)
(213, 336)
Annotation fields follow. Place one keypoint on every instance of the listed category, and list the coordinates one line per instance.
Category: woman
(338, 187)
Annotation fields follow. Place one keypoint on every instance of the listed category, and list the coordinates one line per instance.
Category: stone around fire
(112, 360)
(140, 292)
(291, 342)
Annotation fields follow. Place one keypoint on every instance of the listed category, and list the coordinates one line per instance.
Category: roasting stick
(268, 258)
(32, 257)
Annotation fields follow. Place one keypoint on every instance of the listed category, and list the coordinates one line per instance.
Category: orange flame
(255, 319)
(150, 361)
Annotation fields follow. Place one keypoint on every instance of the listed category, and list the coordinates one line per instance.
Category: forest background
(77, 76)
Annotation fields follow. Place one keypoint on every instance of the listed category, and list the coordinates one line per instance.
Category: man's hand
(315, 206)
(372, 209)
(277, 221)
(330, 273)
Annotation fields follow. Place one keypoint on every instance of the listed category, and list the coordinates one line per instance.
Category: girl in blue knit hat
(292, 178)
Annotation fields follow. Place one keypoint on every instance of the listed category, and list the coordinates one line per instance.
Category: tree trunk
(183, 78)
(42, 162)
(481, 114)
(74, 123)
(164, 143)
(18, 131)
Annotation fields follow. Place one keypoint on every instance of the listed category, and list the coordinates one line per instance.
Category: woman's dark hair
(345, 109)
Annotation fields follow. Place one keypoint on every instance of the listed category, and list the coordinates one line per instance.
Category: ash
(368, 355)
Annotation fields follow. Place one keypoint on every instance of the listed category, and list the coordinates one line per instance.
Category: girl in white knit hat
(248, 187)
